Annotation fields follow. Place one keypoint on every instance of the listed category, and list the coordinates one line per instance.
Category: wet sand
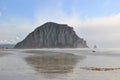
(3, 52)
(48, 62)
(59, 64)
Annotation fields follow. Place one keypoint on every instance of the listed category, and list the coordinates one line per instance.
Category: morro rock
(52, 35)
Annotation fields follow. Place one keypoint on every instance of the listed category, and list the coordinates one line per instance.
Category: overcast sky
(97, 21)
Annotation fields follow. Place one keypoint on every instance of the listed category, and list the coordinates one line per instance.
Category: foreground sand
(59, 64)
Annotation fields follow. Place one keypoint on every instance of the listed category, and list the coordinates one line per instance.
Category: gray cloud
(12, 28)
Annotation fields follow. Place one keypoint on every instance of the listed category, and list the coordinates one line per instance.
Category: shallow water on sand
(59, 64)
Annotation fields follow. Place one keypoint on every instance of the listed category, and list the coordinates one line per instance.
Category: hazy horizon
(97, 21)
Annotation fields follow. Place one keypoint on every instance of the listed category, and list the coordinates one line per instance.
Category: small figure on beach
(94, 48)
(93, 51)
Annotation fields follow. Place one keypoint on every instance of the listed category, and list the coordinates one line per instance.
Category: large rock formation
(52, 35)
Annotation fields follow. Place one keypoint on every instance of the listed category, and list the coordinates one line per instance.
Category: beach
(59, 64)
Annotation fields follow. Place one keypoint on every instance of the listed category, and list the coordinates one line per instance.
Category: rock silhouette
(52, 35)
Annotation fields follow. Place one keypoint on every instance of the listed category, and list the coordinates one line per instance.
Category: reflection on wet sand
(53, 63)
(3, 53)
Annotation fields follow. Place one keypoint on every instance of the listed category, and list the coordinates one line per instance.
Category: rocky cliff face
(52, 35)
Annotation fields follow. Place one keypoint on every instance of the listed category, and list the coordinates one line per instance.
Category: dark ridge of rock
(52, 35)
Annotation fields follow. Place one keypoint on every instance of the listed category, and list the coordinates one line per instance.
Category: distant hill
(52, 35)
(7, 45)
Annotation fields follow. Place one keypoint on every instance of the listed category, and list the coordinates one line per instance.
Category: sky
(97, 21)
